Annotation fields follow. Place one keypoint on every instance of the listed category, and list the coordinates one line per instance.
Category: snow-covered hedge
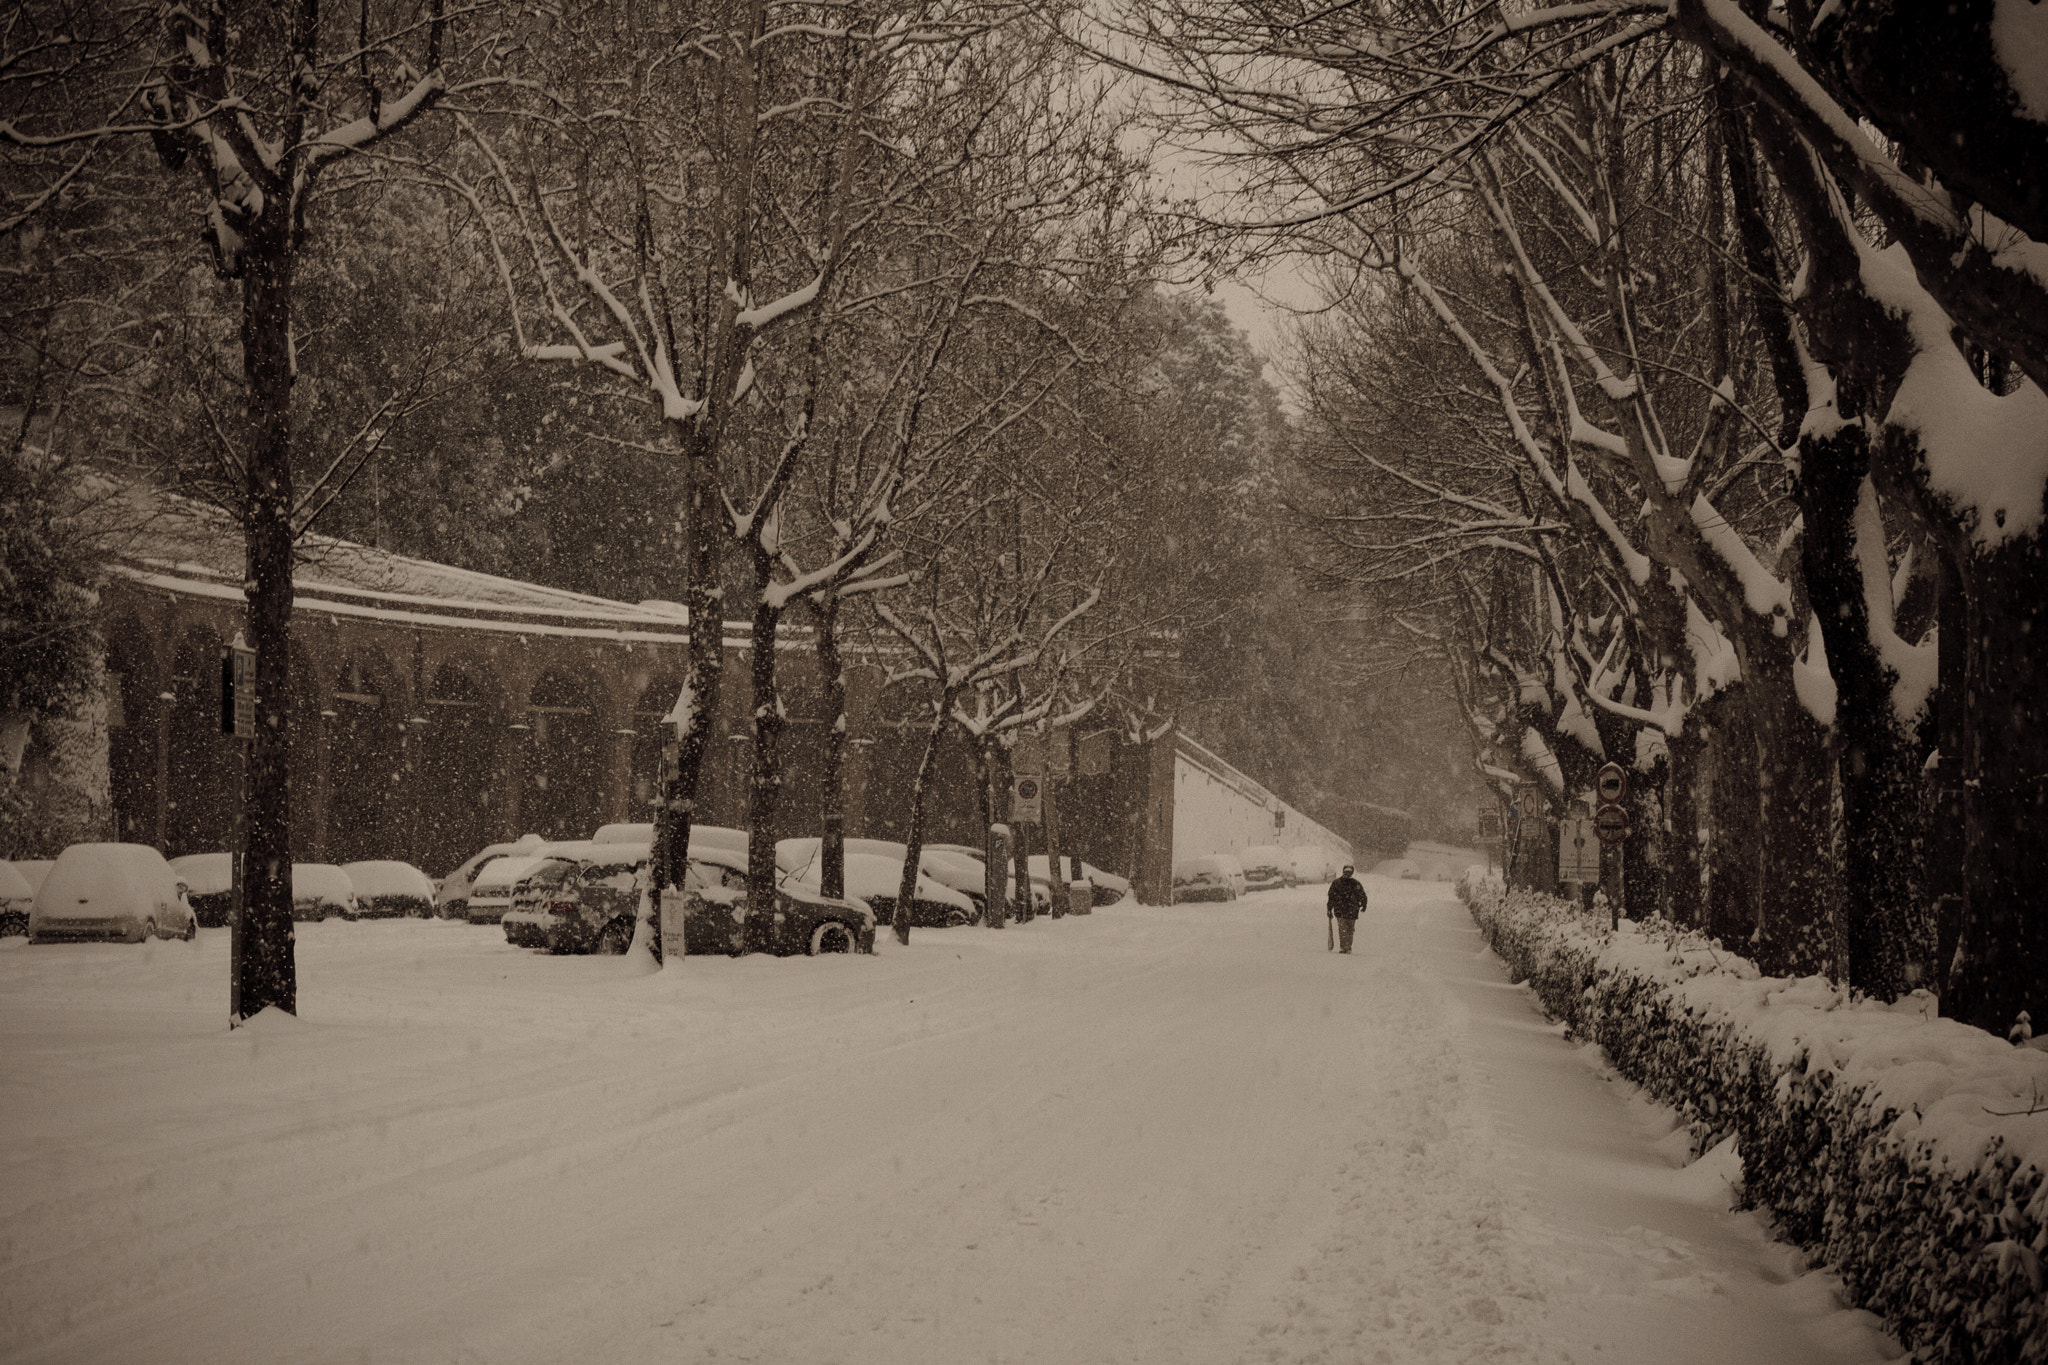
(1904, 1150)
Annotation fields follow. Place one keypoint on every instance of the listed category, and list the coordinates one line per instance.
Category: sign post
(238, 720)
(1578, 850)
(1611, 821)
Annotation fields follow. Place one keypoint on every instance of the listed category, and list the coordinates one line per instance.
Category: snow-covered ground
(1150, 1135)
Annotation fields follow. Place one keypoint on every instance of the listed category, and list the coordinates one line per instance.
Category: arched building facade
(435, 710)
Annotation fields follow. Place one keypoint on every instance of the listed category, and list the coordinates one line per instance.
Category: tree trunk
(268, 968)
(703, 675)
(1878, 759)
(995, 900)
(764, 791)
(832, 780)
(1681, 844)
(1796, 890)
(906, 890)
(1020, 859)
(2001, 960)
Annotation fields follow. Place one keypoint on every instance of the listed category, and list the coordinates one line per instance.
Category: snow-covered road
(1150, 1135)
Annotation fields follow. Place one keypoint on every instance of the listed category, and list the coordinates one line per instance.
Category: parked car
(17, 898)
(209, 881)
(387, 889)
(543, 904)
(1202, 879)
(1234, 868)
(804, 922)
(1311, 864)
(1266, 867)
(707, 836)
(490, 893)
(110, 891)
(33, 870)
(1399, 869)
(321, 891)
(875, 879)
(451, 898)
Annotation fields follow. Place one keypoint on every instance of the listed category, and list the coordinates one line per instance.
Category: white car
(209, 884)
(388, 889)
(110, 891)
(1202, 879)
(1267, 867)
(321, 890)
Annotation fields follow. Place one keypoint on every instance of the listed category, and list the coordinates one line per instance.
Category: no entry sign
(1612, 823)
(1026, 801)
(1611, 785)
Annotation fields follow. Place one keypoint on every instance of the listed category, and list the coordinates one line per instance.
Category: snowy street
(1150, 1135)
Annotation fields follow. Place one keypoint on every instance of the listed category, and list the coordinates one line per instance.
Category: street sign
(1611, 785)
(1578, 851)
(1612, 823)
(238, 689)
(1027, 800)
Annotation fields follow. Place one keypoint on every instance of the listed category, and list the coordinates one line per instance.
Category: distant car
(123, 892)
(209, 878)
(387, 889)
(322, 891)
(1202, 879)
(17, 898)
(1266, 867)
(1311, 864)
(1402, 869)
(1235, 869)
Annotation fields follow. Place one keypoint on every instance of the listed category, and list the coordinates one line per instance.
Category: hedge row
(1904, 1151)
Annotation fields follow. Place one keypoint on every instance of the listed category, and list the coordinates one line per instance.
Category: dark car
(589, 904)
(546, 907)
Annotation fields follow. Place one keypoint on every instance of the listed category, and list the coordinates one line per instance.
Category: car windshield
(550, 874)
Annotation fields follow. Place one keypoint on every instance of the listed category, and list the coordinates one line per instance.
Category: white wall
(1217, 809)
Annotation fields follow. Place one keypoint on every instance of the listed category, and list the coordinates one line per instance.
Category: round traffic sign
(1611, 785)
(1027, 788)
(1611, 822)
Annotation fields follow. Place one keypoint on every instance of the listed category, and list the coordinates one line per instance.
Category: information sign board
(1027, 800)
(238, 689)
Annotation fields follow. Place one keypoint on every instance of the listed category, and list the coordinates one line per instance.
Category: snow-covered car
(1041, 884)
(17, 898)
(451, 897)
(875, 878)
(322, 891)
(1266, 867)
(1106, 887)
(490, 893)
(209, 882)
(805, 921)
(1398, 869)
(1311, 864)
(1234, 868)
(110, 891)
(389, 889)
(1202, 879)
(543, 904)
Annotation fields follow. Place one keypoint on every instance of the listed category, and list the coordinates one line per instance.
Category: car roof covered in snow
(205, 874)
(91, 881)
(388, 877)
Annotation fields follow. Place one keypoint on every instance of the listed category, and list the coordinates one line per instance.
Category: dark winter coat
(1347, 898)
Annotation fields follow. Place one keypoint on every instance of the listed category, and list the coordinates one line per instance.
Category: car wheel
(955, 918)
(831, 937)
(615, 938)
(148, 931)
(191, 929)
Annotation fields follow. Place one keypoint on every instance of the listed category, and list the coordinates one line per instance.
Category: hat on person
(1347, 869)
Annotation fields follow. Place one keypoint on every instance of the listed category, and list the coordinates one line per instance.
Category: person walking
(1347, 900)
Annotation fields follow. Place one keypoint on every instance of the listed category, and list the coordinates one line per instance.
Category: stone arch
(459, 764)
(653, 699)
(202, 763)
(366, 755)
(135, 677)
(567, 746)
